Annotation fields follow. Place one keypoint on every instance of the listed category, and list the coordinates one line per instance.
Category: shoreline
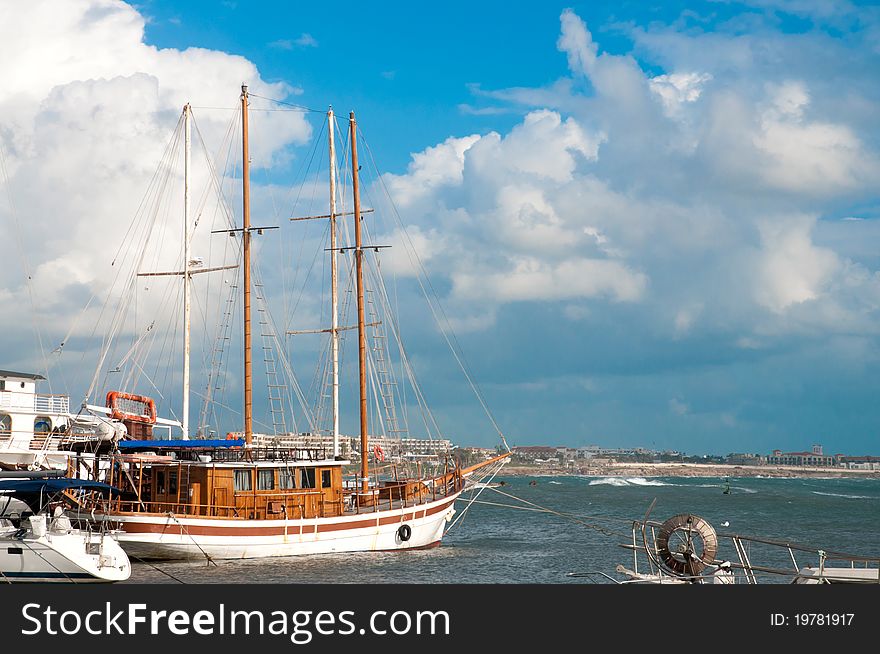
(685, 470)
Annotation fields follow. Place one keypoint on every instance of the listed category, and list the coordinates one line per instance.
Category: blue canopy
(56, 485)
(196, 443)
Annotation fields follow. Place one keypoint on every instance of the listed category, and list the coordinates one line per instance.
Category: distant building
(742, 459)
(350, 445)
(813, 458)
(859, 462)
(536, 453)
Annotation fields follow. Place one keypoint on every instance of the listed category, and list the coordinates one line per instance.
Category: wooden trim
(180, 526)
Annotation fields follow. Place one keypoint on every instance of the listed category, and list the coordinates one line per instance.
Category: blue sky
(652, 224)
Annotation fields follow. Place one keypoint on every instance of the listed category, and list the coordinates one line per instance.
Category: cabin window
(307, 477)
(5, 425)
(42, 425)
(160, 482)
(286, 478)
(2, 384)
(172, 482)
(325, 479)
(243, 480)
(265, 479)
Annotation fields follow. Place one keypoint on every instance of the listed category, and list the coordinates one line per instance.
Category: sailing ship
(238, 498)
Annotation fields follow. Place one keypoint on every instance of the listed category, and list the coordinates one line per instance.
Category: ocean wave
(627, 481)
(849, 497)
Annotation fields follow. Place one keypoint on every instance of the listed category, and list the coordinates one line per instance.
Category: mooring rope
(157, 569)
(195, 542)
(565, 516)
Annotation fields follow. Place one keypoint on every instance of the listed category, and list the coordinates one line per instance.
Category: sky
(650, 224)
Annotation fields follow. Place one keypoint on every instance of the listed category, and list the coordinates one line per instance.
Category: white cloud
(805, 156)
(435, 167)
(791, 269)
(306, 40)
(531, 279)
(677, 89)
(678, 407)
(577, 42)
(87, 110)
(691, 192)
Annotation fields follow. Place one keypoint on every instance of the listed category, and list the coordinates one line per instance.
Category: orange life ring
(118, 414)
(378, 453)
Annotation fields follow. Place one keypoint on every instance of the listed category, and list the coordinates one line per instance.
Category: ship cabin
(224, 479)
(28, 419)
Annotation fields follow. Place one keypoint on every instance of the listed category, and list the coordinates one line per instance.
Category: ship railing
(745, 548)
(53, 404)
(384, 494)
(36, 402)
(235, 454)
(247, 508)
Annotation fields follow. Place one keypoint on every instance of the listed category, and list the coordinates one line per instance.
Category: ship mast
(187, 277)
(246, 252)
(362, 338)
(334, 298)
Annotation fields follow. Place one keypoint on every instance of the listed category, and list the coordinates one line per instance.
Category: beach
(621, 469)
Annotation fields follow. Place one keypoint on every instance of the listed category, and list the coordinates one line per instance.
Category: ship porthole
(404, 532)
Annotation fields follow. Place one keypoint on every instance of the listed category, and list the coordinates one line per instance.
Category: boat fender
(404, 532)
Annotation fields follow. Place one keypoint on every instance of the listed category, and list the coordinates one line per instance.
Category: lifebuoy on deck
(686, 544)
(379, 453)
(119, 413)
(404, 532)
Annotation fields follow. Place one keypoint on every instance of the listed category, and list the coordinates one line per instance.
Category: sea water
(498, 544)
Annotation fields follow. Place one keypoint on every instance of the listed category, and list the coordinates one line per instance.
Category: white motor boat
(39, 543)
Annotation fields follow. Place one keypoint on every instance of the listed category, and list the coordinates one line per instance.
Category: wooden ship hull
(236, 507)
(170, 537)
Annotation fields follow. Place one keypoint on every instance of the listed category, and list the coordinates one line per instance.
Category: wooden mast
(362, 337)
(246, 252)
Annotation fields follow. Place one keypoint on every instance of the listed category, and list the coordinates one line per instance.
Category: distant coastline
(683, 470)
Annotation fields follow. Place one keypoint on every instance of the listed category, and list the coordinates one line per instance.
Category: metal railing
(781, 564)
(38, 402)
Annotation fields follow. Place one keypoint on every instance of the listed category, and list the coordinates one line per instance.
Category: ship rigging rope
(427, 415)
(219, 363)
(495, 471)
(151, 198)
(445, 325)
(298, 107)
(376, 280)
(257, 421)
(16, 229)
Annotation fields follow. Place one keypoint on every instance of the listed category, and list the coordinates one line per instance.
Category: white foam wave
(626, 481)
(849, 497)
